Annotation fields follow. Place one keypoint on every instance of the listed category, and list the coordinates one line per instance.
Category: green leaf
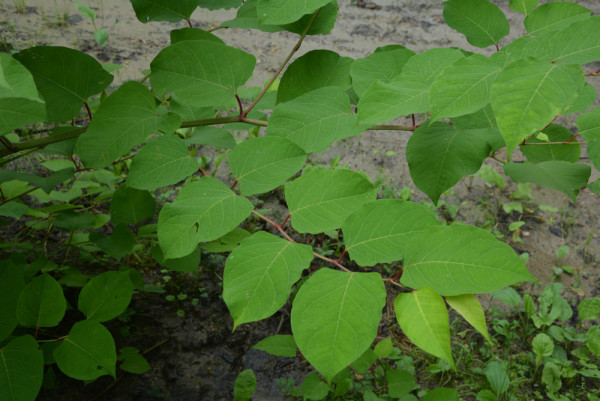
(72, 221)
(315, 119)
(556, 174)
(125, 119)
(378, 231)
(528, 94)
(64, 91)
(133, 361)
(313, 387)
(87, 352)
(425, 67)
(226, 243)
(523, 6)
(163, 10)
(21, 370)
(47, 184)
(497, 377)
(589, 129)
(400, 382)
(41, 303)
(335, 316)
(384, 348)
(314, 70)
(585, 99)
(362, 364)
(244, 386)
(379, 66)
(177, 35)
(259, 275)
(423, 317)
(101, 36)
(554, 16)
(439, 155)
(11, 285)
(212, 136)
(118, 244)
(589, 308)
(203, 211)
(130, 205)
(593, 340)
(85, 10)
(481, 21)
(483, 118)
(508, 296)
(461, 259)
(264, 163)
(278, 12)
(20, 103)
(204, 73)
(540, 153)
(469, 307)
(187, 264)
(542, 345)
(463, 87)
(163, 161)
(321, 200)
(106, 296)
(279, 345)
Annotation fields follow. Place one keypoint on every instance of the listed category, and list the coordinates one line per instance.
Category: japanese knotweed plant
(472, 107)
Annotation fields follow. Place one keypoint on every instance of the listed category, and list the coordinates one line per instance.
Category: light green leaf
(523, 6)
(593, 340)
(315, 119)
(219, 4)
(314, 70)
(106, 296)
(483, 118)
(589, 308)
(203, 211)
(481, 21)
(529, 94)
(585, 99)
(425, 67)
(400, 382)
(378, 231)
(130, 205)
(497, 377)
(264, 163)
(554, 16)
(589, 129)
(212, 136)
(278, 12)
(41, 303)
(125, 119)
(163, 10)
(469, 307)
(313, 387)
(384, 348)
(20, 103)
(87, 352)
(556, 174)
(461, 259)
(556, 133)
(279, 345)
(439, 155)
(379, 66)
(177, 35)
(11, 285)
(101, 36)
(542, 345)
(335, 316)
(133, 361)
(423, 317)
(463, 87)
(244, 386)
(21, 369)
(204, 73)
(163, 161)
(85, 10)
(259, 275)
(321, 200)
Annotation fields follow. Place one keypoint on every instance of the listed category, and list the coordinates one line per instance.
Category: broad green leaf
(203, 211)
(279, 345)
(315, 119)
(383, 102)
(244, 386)
(133, 361)
(379, 66)
(72, 221)
(53, 69)
(106, 296)
(163, 10)
(400, 382)
(87, 352)
(523, 6)
(259, 275)
(439, 155)
(542, 345)
(463, 87)
(497, 377)
(313, 387)
(21, 369)
(540, 152)
(11, 285)
(469, 307)
(278, 12)
(593, 340)
(177, 35)
(378, 231)
(528, 94)
(423, 317)
(481, 21)
(163, 161)
(20, 103)
(204, 73)
(335, 316)
(315, 69)
(85, 10)
(556, 174)
(483, 118)
(212, 136)
(425, 67)
(585, 99)
(554, 16)
(47, 184)
(118, 244)
(589, 129)
(589, 308)
(41, 303)
(362, 364)
(226, 243)
(508, 296)
(461, 259)
(384, 348)
(264, 163)
(321, 200)
(130, 205)
(187, 264)
(125, 119)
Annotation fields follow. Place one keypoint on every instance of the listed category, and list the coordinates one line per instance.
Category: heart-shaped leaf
(21, 370)
(106, 296)
(481, 21)
(41, 303)
(379, 66)
(554, 16)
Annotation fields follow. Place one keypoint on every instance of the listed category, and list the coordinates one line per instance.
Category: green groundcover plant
(134, 140)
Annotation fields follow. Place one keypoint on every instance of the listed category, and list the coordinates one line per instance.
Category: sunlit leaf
(589, 129)
(278, 12)
(554, 16)
(279, 345)
(469, 307)
(163, 10)
(481, 21)
(379, 66)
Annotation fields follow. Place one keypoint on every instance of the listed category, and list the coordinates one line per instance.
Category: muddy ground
(201, 356)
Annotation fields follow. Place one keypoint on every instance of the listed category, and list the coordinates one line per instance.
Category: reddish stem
(87, 107)
(240, 104)
(413, 121)
(497, 47)
(233, 185)
(200, 169)
(342, 256)
(189, 23)
(397, 276)
(286, 220)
